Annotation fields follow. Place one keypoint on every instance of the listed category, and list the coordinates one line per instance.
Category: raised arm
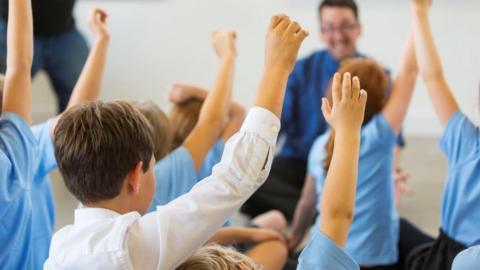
(430, 64)
(345, 118)
(304, 213)
(17, 94)
(397, 106)
(89, 83)
(244, 235)
(283, 42)
(217, 104)
(180, 93)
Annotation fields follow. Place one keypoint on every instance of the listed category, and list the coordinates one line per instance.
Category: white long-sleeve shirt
(103, 239)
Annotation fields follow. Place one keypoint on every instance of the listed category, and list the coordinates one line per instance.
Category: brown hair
(98, 144)
(183, 118)
(350, 4)
(162, 134)
(374, 80)
(215, 257)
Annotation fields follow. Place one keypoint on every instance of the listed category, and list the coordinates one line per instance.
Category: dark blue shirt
(302, 118)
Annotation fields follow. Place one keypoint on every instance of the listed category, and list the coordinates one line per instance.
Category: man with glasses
(302, 120)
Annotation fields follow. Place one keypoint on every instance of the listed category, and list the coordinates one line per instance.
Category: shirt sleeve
(175, 231)
(460, 139)
(322, 253)
(175, 175)
(18, 154)
(43, 135)
(377, 133)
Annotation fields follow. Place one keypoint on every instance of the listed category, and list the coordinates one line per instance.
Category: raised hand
(283, 41)
(349, 102)
(223, 42)
(98, 22)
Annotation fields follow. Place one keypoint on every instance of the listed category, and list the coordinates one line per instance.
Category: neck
(117, 204)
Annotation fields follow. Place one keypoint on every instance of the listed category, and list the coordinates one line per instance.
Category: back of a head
(162, 134)
(97, 145)
(183, 118)
(374, 80)
(350, 4)
(215, 257)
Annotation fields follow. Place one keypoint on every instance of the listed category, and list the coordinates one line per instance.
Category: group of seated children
(157, 190)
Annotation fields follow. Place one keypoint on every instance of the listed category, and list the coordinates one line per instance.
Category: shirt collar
(86, 215)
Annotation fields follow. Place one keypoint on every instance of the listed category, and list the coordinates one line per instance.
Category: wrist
(420, 10)
(350, 135)
(228, 57)
(103, 38)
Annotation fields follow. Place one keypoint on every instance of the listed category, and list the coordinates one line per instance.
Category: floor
(422, 159)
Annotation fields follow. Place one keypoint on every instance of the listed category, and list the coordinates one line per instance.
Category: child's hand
(223, 41)
(181, 92)
(262, 235)
(349, 103)
(283, 41)
(98, 22)
(421, 4)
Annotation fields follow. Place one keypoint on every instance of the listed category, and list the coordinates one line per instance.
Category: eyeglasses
(342, 29)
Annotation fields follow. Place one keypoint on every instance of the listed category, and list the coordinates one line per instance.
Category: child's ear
(135, 178)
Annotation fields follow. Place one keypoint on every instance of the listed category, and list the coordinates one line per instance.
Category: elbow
(341, 214)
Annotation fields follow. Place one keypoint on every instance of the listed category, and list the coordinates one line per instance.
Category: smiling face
(339, 30)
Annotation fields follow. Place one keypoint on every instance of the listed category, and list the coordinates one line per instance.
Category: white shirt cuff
(263, 122)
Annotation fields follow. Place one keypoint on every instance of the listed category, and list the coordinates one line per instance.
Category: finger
(355, 88)
(326, 108)
(293, 28)
(283, 24)
(336, 92)
(302, 34)
(275, 20)
(363, 98)
(346, 86)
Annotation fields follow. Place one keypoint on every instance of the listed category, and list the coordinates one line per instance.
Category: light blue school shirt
(321, 253)
(373, 236)
(42, 197)
(213, 158)
(468, 259)
(176, 174)
(461, 198)
(18, 161)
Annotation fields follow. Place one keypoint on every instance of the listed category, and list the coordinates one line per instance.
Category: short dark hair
(350, 4)
(98, 144)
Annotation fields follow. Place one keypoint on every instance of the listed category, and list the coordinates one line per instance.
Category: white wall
(155, 43)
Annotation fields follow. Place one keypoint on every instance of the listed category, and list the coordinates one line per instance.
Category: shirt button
(274, 129)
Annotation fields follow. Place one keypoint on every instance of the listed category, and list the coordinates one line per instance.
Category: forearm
(217, 103)
(89, 84)
(303, 217)
(236, 116)
(232, 235)
(430, 66)
(17, 95)
(271, 91)
(337, 211)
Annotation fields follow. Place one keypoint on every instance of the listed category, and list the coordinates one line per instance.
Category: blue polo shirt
(176, 174)
(302, 119)
(468, 259)
(18, 160)
(321, 253)
(461, 198)
(373, 236)
(42, 197)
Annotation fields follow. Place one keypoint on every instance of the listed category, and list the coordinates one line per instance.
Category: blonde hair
(215, 257)
(183, 118)
(162, 135)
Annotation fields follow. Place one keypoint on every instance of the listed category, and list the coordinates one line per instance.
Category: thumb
(326, 109)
